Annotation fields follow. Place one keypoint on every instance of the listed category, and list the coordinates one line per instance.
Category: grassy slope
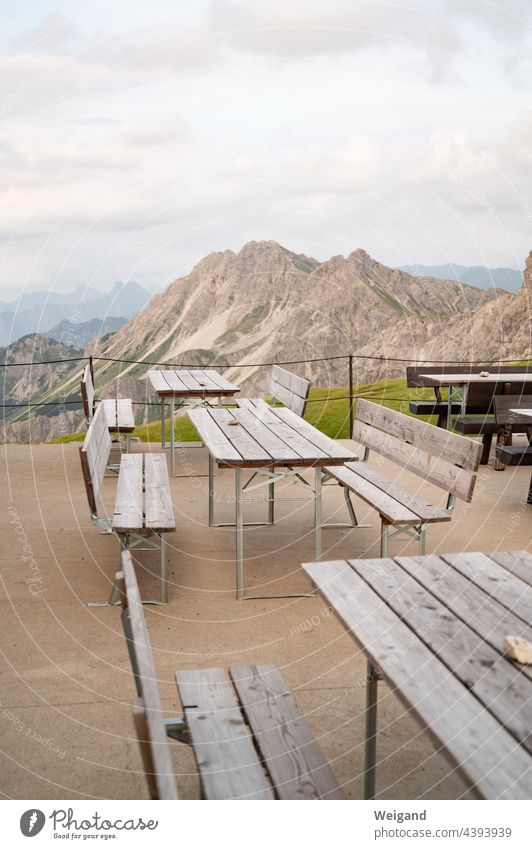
(328, 410)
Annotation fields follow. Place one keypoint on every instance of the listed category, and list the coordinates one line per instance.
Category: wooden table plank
(275, 446)
(157, 380)
(213, 437)
(451, 379)
(220, 381)
(495, 680)
(159, 509)
(517, 562)
(227, 760)
(174, 382)
(486, 615)
(329, 447)
(488, 756)
(302, 448)
(249, 448)
(194, 381)
(129, 515)
(499, 583)
(291, 756)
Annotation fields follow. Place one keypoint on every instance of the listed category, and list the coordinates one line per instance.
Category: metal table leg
(317, 510)
(172, 435)
(239, 535)
(371, 732)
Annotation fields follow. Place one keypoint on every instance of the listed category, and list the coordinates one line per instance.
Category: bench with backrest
(287, 388)
(489, 424)
(118, 411)
(248, 737)
(143, 511)
(445, 459)
(508, 423)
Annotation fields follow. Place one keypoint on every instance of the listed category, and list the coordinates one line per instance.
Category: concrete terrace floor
(66, 685)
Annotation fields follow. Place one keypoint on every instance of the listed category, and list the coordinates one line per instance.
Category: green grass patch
(328, 410)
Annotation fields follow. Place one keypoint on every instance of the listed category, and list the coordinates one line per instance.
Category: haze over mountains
(266, 303)
(473, 275)
(38, 312)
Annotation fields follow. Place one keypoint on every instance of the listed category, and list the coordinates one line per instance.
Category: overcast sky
(135, 139)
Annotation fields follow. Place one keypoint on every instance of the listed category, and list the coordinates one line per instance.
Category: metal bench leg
(271, 499)
(370, 768)
(384, 538)
(422, 534)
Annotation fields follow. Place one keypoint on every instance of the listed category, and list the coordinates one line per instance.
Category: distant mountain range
(69, 332)
(38, 312)
(269, 304)
(473, 275)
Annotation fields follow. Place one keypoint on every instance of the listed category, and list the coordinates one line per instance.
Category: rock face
(266, 304)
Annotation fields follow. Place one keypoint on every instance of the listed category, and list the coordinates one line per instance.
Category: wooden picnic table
(187, 386)
(434, 627)
(277, 444)
(459, 384)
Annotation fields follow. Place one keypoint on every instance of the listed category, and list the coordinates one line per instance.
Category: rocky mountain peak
(527, 276)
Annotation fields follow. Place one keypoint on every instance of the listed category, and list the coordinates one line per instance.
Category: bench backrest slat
(290, 389)
(148, 711)
(444, 459)
(94, 455)
(505, 403)
(87, 393)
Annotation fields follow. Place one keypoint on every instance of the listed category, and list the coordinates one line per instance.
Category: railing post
(351, 399)
(91, 367)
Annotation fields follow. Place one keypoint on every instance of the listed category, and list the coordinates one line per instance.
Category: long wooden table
(274, 442)
(434, 628)
(186, 386)
(458, 385)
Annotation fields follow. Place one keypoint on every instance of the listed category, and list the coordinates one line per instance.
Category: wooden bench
(118, 411)
(248, 737)
(490, 425)
(445, 459)
(143, 511)
(480, 397)
(508, 423)
(285, 387)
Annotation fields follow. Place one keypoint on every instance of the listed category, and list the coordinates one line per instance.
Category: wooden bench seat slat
(472, 737)
(128, 516)
(159, 513)
(420, 506)
(291, 756)
(227, 760)
(388, 507)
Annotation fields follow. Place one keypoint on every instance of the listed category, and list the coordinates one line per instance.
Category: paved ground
(66, 686)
